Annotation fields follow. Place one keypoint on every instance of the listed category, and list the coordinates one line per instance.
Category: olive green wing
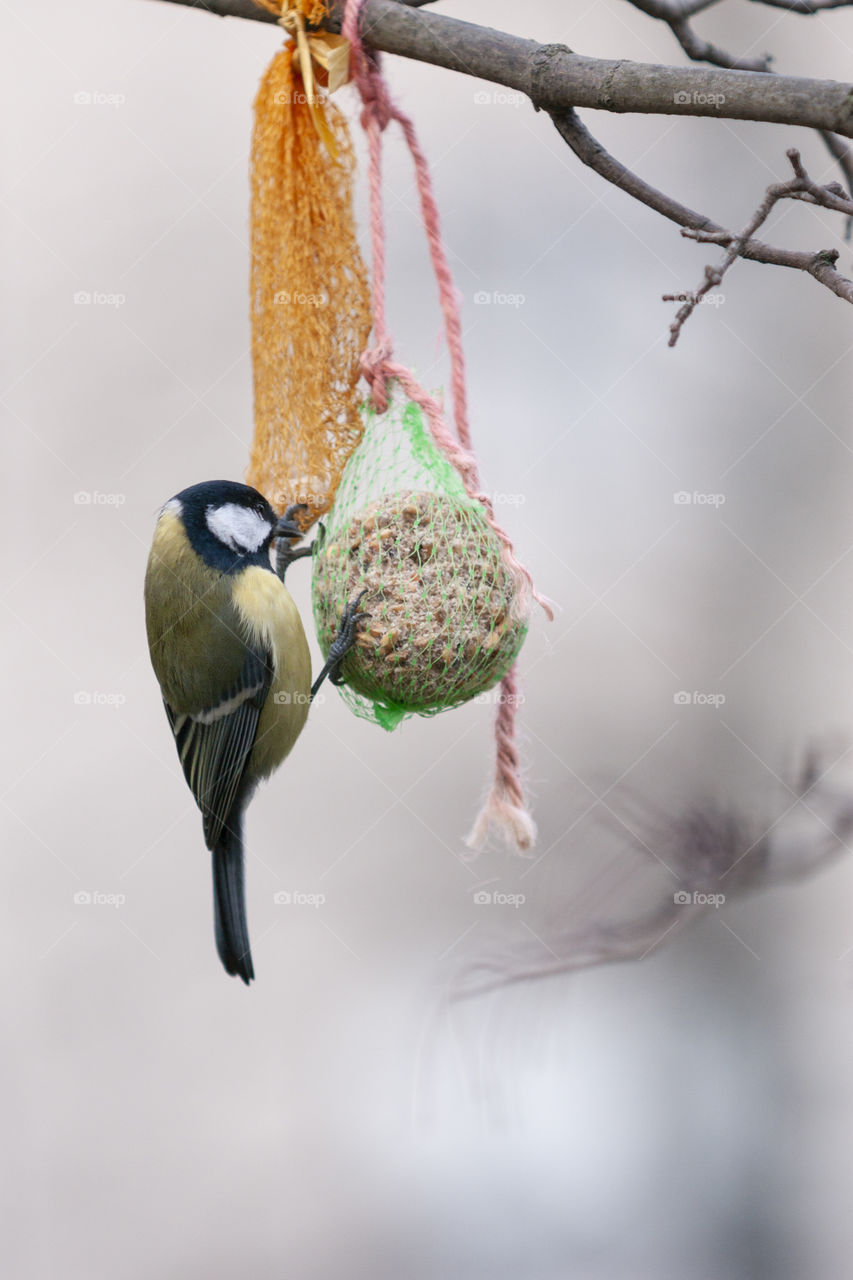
(214, 744)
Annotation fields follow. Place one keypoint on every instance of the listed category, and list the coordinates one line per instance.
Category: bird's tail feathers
(229, 902)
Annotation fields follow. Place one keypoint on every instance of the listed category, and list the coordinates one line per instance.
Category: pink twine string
(505, 806)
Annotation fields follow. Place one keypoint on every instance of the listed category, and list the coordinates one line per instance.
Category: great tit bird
(229, 650)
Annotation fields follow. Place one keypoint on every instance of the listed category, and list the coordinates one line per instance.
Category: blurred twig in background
(712, 855)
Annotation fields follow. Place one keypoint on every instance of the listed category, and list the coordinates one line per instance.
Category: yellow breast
(270, 618)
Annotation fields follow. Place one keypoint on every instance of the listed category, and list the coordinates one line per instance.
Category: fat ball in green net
(446, 614)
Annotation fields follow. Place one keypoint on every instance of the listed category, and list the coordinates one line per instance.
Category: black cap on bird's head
(230, 524)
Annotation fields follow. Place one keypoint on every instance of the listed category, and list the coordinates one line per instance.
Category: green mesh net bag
(447, 614)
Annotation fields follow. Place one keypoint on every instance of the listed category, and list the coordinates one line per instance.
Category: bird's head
(229, 524)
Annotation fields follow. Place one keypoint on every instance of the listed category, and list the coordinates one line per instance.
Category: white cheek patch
(239, 528)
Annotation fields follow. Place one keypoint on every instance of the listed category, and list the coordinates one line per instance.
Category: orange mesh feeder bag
(310, 303)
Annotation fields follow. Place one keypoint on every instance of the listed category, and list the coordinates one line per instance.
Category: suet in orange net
(310, 301)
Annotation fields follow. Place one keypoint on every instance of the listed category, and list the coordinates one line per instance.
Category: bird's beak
(287, 526)
(286, 529)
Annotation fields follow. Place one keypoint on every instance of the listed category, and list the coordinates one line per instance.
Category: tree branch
(672, 13)
(800, 187)
(842, 153)
(703, 51)
(231, 9)
(673, 10)
(557, 79)
(820, 265)
(806, 7)
(676, 16)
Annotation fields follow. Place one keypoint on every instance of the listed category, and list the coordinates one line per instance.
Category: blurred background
(683, 1118)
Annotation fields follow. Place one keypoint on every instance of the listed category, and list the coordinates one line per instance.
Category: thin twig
(799, 187)
(673, 14)
(806, 7)
(673, 10)
(703, 51)
(697, 226)
(676, 16)
(842, 153)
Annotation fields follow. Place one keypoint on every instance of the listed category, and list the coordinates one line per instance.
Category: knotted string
(505, 807)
